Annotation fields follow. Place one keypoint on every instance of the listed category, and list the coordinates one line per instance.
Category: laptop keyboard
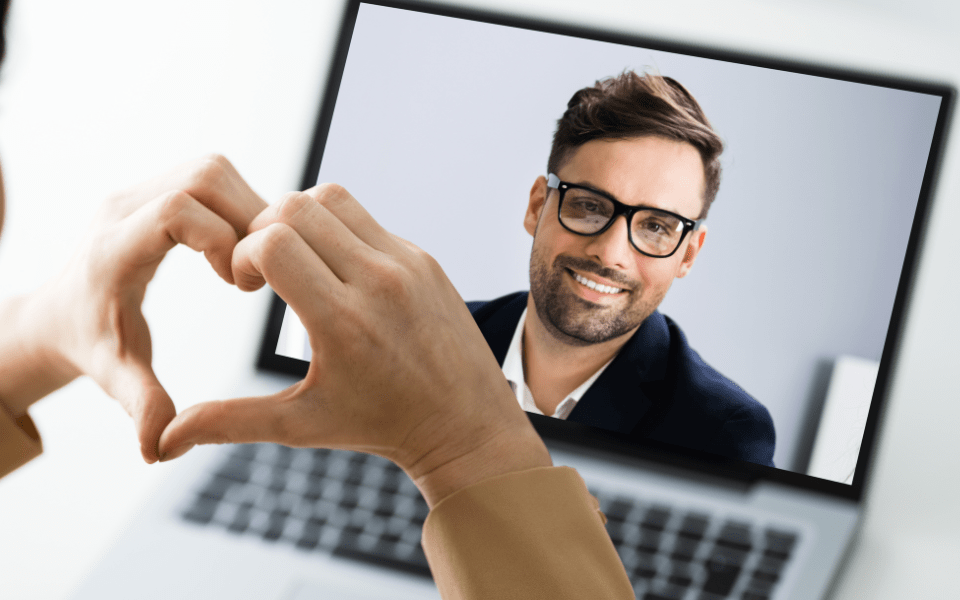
(365, 508)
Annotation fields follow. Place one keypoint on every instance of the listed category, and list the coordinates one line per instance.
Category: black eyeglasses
(652, 232)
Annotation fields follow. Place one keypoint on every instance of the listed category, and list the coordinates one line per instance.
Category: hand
(88, 321)
(399, 367)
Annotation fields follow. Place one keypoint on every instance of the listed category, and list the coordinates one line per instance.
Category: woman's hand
(88, 319)
(399, 367)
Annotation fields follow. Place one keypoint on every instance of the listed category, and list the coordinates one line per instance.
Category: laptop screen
(763, 342)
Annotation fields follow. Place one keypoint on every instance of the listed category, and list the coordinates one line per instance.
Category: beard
(578, 322)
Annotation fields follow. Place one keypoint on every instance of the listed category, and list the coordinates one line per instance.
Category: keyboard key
(723, 569)
(649, 540)
(760, 587)
(680, 574)
(201, 511)
(241, 519)
(616, 531)
(779, 544)
(259, 521)
(769, 568)
(694, 526)
(666, 592)
(618, 510)
(216, 488)
(386, 505)
(314, 488)
(235, 469)
(310, 537)
(420, 511)
(277, 522)
(646, 566)
(736, 534)
(656, 518)
(349, 497)
(391, 482)
(684, 549)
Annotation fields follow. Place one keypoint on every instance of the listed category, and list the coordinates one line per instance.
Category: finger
(140, 393)
(240, 421)
(279, 256)
(212, 180)
(324, 233)
(352, 214)
(176, 218)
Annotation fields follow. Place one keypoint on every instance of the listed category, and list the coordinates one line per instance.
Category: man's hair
(631, 105)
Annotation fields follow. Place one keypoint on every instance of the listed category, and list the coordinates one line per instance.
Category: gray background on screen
(441, 127)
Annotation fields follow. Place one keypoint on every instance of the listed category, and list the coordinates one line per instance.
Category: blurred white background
(98, 95)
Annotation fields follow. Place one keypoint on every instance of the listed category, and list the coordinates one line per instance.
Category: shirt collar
(513, 371)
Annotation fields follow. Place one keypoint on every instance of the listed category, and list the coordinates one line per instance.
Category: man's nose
(612, 247)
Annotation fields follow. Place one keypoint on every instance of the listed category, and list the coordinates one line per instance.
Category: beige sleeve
(19, 441)
(532, 534)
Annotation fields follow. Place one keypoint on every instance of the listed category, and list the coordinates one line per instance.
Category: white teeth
(603, 289)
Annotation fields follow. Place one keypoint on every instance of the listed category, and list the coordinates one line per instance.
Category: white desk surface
(97, 95)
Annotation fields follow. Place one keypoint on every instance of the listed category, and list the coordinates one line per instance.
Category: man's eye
(586, 205)
(653, 228)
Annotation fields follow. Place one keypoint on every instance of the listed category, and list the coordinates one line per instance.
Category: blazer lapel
(498, 321)
(627, 390)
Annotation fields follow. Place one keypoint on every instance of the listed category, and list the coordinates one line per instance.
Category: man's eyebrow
(598, 189)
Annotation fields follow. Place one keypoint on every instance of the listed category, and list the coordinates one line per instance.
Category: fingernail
(176, 452)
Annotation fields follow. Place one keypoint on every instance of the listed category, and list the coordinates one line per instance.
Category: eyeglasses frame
(619, 208)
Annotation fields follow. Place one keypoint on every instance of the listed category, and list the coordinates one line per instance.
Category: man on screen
(632, 172)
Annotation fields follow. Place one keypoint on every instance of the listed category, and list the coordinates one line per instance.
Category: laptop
(439, 120)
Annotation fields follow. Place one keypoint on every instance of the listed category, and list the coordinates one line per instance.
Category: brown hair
(632, 105)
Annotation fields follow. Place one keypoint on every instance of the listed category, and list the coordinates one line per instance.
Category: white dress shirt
(513, 370)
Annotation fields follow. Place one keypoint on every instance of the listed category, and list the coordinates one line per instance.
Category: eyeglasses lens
(653, 232)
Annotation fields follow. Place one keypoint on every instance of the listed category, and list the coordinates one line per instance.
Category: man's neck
(553, 368)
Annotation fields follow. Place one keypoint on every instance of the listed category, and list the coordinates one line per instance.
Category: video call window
(443, 126)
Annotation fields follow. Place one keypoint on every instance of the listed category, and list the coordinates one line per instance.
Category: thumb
(238, 421)
(141, 394)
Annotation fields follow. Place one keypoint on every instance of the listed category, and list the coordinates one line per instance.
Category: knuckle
(390, 278)
(173, 204)
(275, 243)
(291, 204)
(331, 194)
(210, 171)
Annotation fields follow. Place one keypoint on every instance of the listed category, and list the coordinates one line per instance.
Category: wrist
(31, 364)
(507, 450)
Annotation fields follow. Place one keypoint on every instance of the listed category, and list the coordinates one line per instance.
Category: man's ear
(538, 197)
(693, 249)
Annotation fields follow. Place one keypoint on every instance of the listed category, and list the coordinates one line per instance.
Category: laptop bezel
(597, 440)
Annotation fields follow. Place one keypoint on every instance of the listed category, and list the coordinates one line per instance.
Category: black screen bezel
(595, 439)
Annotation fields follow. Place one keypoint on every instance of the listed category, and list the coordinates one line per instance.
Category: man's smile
(595, 285)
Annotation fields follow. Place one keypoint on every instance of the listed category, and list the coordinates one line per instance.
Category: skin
(399, 367)
(571, 330)
(86, 320)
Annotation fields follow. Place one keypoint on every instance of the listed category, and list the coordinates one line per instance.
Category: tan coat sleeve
(532, 534)
(19, 441)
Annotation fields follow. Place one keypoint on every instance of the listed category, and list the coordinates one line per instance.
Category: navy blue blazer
(657, 388)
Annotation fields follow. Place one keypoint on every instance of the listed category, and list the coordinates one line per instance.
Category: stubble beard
(573, 320)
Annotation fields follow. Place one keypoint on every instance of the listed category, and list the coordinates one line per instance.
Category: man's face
(649, 171)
